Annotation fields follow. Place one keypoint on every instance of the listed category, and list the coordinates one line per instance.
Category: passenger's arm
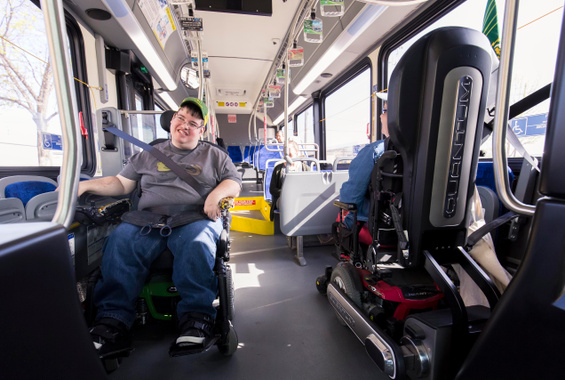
(226, 188)
(109, 186)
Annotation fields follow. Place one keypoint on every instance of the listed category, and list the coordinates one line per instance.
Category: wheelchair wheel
(228, 345)
(231, 293)
(345, 276)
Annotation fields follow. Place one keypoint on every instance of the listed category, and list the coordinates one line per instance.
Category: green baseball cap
(200, 104)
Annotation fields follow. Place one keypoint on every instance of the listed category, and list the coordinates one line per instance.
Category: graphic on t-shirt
(194, 169)
(162, 167)
(191, 169)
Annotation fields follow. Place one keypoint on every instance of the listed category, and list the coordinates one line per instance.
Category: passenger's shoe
(196, 335)
(111, 338)
(195, 328)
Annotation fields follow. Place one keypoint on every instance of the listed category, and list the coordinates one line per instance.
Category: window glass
(143, 126)
(290, 128)
(30, 134)
(305, 126)
(537, 37)
(347, 117)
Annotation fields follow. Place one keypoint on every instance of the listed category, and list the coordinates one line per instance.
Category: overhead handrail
(286, 88)
(252, 119)
(55, 27)
(304, 9)
(126, 113)
(500, 161)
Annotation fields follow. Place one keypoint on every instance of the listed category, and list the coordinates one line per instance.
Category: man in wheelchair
(190, 234)
(355, 190)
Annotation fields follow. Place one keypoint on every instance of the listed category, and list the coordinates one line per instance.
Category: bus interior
(471, 285)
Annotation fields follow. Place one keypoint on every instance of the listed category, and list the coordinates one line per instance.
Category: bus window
(347, 117)
(31, 134)
(305, 126)
(539, 24)
(31, 130)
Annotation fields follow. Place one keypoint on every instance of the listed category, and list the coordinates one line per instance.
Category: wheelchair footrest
(178, 350)
(117, 354)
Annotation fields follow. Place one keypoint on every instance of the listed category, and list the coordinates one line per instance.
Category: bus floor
(286, 329)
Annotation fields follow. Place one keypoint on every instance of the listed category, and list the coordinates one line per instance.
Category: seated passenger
(354, 190)
(129, 251)
(279, 172)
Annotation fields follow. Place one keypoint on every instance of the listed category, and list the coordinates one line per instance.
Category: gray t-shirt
(161, 186)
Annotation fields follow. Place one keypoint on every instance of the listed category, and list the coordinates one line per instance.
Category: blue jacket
(355, 188)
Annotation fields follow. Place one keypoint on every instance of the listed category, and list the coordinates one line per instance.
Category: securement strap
(183, 174)
(488, 227)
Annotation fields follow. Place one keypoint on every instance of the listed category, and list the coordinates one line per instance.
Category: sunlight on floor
(248, 278)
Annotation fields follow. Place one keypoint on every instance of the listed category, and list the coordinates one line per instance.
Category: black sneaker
(195, 328)
(111, 338)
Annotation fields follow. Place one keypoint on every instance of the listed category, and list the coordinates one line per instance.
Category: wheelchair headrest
(166, 118)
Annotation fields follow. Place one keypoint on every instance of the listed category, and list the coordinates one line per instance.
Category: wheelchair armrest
(223, 244)
(351, 207)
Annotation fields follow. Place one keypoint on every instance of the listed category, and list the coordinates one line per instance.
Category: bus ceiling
(244, 43)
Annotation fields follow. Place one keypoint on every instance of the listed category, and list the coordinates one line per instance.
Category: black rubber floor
(286, 329)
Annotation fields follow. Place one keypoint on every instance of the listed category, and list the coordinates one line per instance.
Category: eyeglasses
(189, 124)
(384, 111)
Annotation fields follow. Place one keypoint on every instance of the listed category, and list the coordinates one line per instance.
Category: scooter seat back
(436, 103)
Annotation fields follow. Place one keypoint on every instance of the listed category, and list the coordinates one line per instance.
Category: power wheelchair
(159, 296)
(395, 293)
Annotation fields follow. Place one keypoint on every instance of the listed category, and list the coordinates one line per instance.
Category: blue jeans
(354, 190)
(128, 257)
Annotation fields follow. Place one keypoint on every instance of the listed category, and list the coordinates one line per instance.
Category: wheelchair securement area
(396, 296)
(285, 329)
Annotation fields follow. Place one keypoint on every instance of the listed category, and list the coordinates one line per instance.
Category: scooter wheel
(345, 276)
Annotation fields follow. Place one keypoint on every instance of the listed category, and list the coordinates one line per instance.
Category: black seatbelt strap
(183, 174)
(488, 227)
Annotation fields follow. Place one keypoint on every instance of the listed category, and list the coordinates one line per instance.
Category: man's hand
(212, 207)
(226, 188)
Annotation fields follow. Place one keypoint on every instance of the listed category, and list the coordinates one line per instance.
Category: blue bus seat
(235, 154)
(485, 177)
(248, 155)
(264, 155)
(25, 187)
(256, 150)
(270, 166)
